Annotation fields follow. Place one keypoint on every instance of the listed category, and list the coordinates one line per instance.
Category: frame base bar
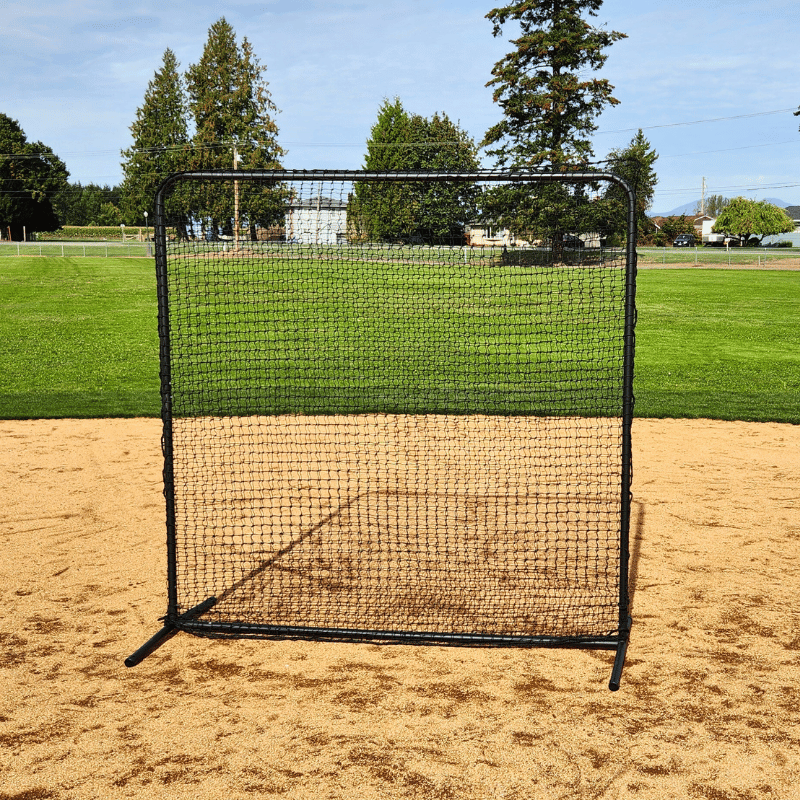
(167, 632)
(242, 630)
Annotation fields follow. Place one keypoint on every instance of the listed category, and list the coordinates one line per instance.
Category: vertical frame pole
(627, 421)
(160, 235)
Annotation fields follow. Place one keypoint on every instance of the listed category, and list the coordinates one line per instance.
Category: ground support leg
(167, 632)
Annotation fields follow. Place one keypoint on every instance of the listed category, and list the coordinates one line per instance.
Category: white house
(702, 226)
(487, 234)
(316, 220)
(484, 234)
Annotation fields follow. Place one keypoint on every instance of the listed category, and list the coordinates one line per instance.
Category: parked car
(684, 240)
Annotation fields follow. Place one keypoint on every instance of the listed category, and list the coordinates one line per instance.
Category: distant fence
(720, 256)
(647, 256)
(78, 249)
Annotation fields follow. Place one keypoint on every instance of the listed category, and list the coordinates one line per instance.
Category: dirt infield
(708, 706)
(433, 524)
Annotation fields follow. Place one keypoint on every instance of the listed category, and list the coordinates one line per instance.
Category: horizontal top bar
(364, 175)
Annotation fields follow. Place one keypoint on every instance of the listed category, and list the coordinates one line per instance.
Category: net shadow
(434, 562)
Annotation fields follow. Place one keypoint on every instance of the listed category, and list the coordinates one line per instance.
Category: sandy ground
(708, 706)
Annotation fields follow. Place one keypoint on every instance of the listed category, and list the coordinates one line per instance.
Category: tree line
(219, 114)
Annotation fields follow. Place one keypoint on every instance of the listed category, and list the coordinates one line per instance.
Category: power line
(209, 146)
(729, 149)
(700, 121)
(746, 187)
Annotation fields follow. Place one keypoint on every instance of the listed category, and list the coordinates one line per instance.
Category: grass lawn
(421, 334)
(718, 344)
(78, 338)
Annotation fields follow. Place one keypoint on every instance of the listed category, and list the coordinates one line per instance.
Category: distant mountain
(688, 208)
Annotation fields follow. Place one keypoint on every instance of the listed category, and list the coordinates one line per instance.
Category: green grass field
(78, 338)
(413, 331)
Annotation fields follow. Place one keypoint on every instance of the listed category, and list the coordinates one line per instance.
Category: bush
(88, 233)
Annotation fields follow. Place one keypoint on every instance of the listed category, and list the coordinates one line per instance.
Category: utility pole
(703, 198)
(235, 202)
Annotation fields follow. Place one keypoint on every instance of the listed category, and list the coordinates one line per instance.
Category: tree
(712, 205)
(752, 219)
(548, 105)
(31, 175)
(672, 227)
(422, 212)
(232, 110)
(634, 163)
(160, 143)
(77, 204)
(110, 215)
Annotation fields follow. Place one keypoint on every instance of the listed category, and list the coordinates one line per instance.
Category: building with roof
(794, 237)
(316, 220)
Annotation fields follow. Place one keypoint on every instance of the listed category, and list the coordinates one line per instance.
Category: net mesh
(378, 431)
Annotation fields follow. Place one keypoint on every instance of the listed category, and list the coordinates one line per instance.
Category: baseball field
(708, 706)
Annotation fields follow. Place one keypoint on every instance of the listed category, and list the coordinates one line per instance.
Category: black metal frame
(191, 622)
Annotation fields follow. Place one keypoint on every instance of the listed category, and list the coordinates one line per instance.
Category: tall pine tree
(160, 144)
(549, 106)
(232, 110)
(634, 163)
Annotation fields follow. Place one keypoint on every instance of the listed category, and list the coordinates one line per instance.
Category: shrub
(89, 233)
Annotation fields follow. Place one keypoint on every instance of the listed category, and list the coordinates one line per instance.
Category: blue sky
(74, 73)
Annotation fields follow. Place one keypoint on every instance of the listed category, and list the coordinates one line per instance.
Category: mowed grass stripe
(78, 337)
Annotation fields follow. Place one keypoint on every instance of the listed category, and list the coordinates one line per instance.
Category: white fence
(81, 249)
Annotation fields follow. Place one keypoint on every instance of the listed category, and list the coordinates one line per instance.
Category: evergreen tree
(549, 108)
(77, 204)
(232, 110)
(160, 144)
(548, 105)
(31, 176)
(634, 164)
(414, 212)
(445, 208)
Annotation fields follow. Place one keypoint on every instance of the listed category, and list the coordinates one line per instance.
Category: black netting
(395, 406)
